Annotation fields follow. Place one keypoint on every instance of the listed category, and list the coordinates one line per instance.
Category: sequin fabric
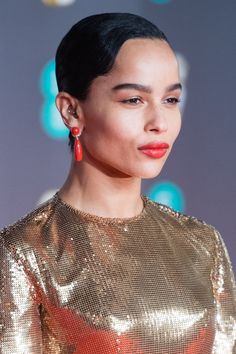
(157, 283)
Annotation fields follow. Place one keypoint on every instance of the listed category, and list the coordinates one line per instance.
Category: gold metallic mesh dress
(157, 283)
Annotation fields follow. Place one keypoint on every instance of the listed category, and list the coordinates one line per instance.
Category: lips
(155, 150)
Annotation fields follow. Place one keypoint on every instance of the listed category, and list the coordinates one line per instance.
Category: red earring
(77, 144)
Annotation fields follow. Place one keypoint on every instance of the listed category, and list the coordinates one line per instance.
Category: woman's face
(130, 112)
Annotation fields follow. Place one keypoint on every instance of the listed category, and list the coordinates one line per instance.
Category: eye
(172, 100)
(133, 101)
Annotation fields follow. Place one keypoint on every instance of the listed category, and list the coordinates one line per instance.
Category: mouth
(155, 150)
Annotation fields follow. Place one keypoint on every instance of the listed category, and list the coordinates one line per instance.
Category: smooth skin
(117, 119)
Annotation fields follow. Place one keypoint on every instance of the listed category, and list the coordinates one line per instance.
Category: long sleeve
(20, 330)
(225, 298)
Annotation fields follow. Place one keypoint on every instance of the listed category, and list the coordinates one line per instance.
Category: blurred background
(198, 178)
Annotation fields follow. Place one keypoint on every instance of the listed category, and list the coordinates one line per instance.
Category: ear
(70, 110)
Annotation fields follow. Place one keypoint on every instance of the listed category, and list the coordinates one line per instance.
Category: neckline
(102, 219)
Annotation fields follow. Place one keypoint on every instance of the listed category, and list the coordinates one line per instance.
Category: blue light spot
(50, 118)
(48, 84)
(51, 121)
(168, 193)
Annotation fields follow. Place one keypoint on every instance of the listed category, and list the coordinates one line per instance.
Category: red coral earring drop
(77, 144)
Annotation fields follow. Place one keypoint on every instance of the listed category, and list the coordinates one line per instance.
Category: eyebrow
(144, 88)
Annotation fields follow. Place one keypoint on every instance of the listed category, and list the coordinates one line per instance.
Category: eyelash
(133, 100)
(172, 100)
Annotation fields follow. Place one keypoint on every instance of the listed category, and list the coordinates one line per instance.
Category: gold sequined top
(157, 283)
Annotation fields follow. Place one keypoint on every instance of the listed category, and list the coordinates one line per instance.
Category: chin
(139, 170)
(150, 172)
(153, 169)
(143, 170)
(150, 175)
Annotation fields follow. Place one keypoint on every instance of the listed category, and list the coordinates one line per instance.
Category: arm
(20, 331)
(225, 299)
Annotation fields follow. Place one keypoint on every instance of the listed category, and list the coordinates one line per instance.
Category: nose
(156, 119)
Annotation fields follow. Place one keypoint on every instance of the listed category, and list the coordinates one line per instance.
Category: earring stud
(72, 112)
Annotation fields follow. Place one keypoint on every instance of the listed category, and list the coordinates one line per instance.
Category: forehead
(144, 57)
(148, 62)
(144, 50)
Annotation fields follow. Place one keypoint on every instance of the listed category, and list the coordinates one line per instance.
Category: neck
(107, 195)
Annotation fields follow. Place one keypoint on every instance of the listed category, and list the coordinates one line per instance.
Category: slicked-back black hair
(89, 49)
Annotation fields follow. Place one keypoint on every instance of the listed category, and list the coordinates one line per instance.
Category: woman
(99, 268)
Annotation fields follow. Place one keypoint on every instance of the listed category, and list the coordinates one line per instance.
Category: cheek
(112, 125)
(108, 136)
(109, 133)
(175, 127)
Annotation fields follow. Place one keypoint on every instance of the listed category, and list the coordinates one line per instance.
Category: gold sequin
(158, 283)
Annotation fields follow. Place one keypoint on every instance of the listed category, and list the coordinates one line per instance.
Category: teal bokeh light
(161, 2)
(51, 121)
(48, 84)
(168, 193)
(50, 118)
